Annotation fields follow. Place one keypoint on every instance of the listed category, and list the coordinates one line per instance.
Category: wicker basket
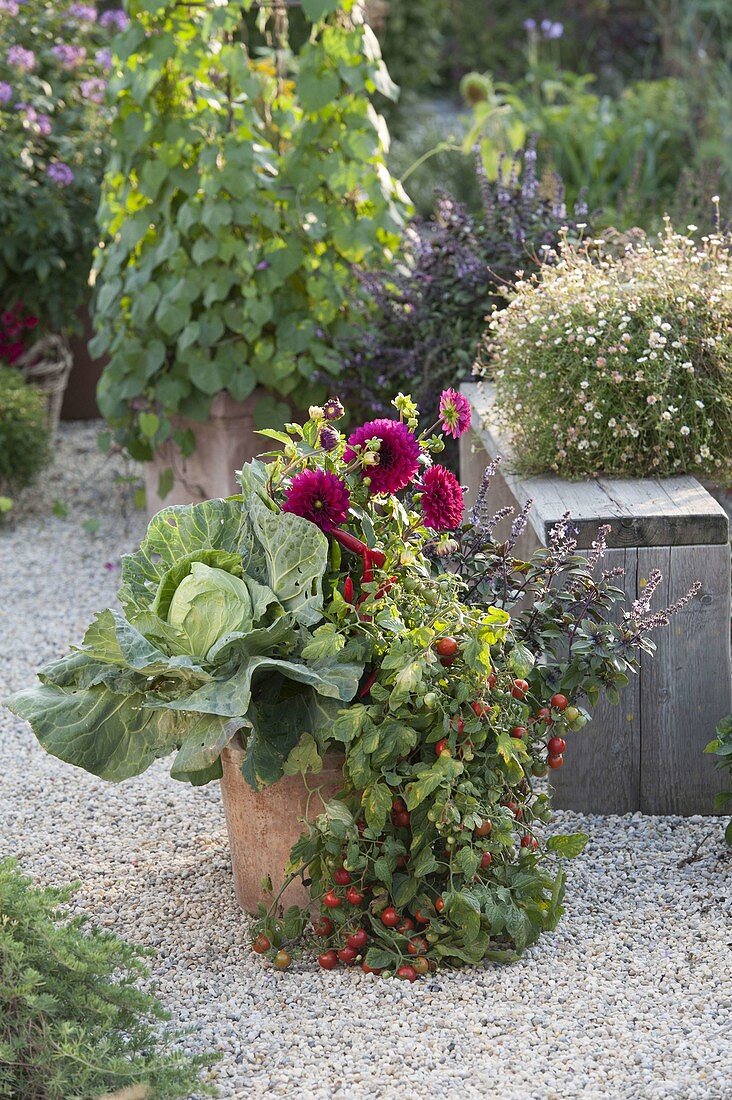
(47, 365)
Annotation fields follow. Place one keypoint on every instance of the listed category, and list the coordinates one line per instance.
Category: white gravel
(630, 998)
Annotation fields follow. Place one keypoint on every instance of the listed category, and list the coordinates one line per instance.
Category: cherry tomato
(328, 960)
(401, 819)
(458, 724)
(407, 973)
(520, 689)
(341, 877)
(417, 946)
(539, 769)
(556, 745)
(323, 926)
(354, 896)
(405, 926)
(555, 761)
(370, 969)
(421, 917)
(439, 904)
(390, 918)
(544, 715)
(513, 807)
(529, 842)
(572, 714)
(420, 965)
(347, 954)
(519, 732)
(485, 860)
(443, 746)
(492, 680)
(559, 701)
(445, 647)
(358, 939)
(483, 829)
(261, 945)
(398, 805)
(332, 900)
(282, 960)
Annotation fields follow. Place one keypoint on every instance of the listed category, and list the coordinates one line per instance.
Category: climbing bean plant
(242, 189)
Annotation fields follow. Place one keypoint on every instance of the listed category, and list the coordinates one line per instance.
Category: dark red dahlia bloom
(319, 496)
(397, 458)
(442, 499)
(455, 413)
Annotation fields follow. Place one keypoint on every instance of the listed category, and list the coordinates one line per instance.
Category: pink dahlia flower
(398, 457)
(454, 413)
(442, 499)
(319, 496)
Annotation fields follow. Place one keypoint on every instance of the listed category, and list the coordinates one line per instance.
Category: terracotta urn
(263, 825)
(224, 442)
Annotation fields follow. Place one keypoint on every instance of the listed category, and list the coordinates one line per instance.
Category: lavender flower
(69, 56)
(93, 89)
(103, 58)
(6, 92)
(9, 7)
(60, 173)
(116, 19)
(529, 25)
(21, 59)
(84, 13)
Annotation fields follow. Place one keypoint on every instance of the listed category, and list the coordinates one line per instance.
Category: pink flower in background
(319, 496)
(397, 458)
(455, 413)
(6, 92)
(21, 59)
(9, 7)
(93, 89)
(103, 58)
(116, 19)
(442, 499)
(60, 173)
(69, 56)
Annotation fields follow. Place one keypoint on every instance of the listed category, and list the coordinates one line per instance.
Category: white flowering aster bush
(620, 364)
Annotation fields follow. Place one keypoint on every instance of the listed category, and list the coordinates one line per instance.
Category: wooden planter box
(647, 753)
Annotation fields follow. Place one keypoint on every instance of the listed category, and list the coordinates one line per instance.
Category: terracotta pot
(263, 825)
(224, 443)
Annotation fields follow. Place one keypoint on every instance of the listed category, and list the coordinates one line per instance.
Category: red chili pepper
(348, 590)
(368, 683)
(368, 573)
(356, 546)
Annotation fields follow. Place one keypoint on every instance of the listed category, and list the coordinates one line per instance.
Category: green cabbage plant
(217, 606)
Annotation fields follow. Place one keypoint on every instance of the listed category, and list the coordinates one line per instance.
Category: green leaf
(325, 642)
(304, 757)
(376, 801)
(728, 833)
(296, 556)
(112, 736)
(444, 770)
(203, 744)
(379, 958)
(569, 845)
(60, 509)
(348, 724)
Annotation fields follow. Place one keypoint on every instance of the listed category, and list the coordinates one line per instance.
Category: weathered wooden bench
(647, 753)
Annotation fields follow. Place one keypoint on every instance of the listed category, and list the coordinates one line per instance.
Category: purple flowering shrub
(54, 64)
(425, 318)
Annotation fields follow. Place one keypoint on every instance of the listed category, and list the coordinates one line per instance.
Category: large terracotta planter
(224, 443)
(263, 825)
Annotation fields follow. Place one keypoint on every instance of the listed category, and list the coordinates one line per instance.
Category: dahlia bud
(328, 437)
(316, 413)
(370, 458)
(333, 409)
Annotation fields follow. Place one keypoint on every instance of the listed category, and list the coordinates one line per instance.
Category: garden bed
(634, 967)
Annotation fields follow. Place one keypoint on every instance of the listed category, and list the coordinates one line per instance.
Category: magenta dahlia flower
(454, 413)
(319, 496)
(398, 456)
(442, 499)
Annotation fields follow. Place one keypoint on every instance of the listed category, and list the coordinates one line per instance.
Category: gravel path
(630, 998)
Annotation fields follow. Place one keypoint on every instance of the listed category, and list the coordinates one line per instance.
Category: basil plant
(213, 636)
